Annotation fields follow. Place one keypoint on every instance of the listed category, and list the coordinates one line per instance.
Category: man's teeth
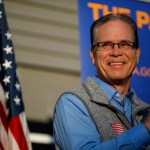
(116, 63)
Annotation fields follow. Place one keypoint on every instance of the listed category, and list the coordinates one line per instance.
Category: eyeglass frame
(113, 44)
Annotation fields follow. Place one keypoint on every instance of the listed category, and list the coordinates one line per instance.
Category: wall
(45, 36)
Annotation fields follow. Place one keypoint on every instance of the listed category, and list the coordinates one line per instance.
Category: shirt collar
(130, 93)
(109, 90)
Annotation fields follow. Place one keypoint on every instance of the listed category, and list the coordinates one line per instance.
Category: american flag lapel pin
(117, 128)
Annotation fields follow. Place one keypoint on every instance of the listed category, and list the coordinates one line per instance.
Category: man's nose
(116, 51)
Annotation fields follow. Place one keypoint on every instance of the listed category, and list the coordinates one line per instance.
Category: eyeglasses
(123, 45)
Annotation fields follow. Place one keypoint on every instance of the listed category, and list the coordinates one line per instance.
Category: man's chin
(119, 81)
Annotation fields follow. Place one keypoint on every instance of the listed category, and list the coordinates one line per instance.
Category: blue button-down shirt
(75, 129)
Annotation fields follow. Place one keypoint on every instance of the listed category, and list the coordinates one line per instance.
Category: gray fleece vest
(103, 113)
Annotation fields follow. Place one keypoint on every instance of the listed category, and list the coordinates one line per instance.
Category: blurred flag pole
(14, 133)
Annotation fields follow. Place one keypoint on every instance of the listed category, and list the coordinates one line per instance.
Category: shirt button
(117, 95)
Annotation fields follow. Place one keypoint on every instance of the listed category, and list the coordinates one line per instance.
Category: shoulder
(68, 102)
(140, 102)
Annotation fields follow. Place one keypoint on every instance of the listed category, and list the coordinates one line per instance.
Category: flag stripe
(3, 116)
(1, 146)
(3, 136)
(25, 129)
(12, 142)
(18, 134)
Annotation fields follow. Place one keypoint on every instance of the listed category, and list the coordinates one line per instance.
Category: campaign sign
(90, 10)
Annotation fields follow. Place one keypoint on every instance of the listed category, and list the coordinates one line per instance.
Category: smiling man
(105, 113)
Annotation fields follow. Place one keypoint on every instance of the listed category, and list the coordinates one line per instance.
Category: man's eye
(124, 44)
(107, 44)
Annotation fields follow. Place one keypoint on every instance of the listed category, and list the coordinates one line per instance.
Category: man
(105, 113)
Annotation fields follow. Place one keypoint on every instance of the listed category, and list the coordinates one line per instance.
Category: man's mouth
(115, 63)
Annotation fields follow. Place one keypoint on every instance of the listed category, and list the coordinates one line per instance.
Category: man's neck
(120, 86)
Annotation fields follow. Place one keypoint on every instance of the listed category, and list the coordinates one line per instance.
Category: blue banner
(90, 10)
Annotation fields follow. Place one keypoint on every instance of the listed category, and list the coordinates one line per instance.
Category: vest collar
(95, 92)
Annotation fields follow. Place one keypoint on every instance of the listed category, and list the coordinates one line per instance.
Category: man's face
(115, 65)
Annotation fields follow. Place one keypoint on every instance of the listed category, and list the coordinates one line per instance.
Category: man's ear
(92, 55)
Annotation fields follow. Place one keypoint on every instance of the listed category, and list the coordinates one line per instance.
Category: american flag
(117, 128)
(14, 133)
